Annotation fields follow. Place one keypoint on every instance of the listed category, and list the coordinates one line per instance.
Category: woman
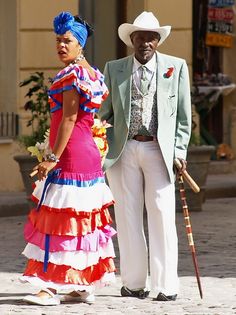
(69, 239)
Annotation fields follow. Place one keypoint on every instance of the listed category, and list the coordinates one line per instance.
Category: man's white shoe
(50, 299)
(79, 296)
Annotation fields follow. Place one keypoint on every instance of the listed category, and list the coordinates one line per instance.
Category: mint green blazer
(173, 107)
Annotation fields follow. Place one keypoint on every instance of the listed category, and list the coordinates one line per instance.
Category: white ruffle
(107, 279)
(79, 198)
(76, 259)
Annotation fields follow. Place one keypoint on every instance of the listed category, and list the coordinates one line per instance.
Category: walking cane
(188, 226)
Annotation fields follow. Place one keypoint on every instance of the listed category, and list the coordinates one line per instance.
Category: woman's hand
(44, 168)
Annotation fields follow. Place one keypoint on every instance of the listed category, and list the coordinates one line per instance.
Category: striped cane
(189, 231)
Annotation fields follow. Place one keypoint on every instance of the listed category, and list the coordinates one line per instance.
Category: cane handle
(32, 174)
(193, 185)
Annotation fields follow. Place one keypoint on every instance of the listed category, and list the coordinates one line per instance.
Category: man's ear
(131, 37)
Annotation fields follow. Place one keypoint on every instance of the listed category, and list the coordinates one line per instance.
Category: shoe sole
(68, 298)
(39, 301)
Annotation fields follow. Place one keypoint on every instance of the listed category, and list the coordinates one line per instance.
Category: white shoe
(82, 296)
(52, 299)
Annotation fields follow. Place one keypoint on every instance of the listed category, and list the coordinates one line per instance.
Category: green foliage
(38, 105)
(194, 139)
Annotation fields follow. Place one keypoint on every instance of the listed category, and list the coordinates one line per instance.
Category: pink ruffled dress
(69, 233)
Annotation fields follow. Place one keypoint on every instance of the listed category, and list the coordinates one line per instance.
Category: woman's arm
(70, 110)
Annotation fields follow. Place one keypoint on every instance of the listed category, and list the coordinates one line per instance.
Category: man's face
(145, 44)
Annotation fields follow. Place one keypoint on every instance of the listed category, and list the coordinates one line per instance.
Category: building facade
(29, 46)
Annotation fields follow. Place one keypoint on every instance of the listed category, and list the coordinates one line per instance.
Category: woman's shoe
(79, 296)
(49, 299)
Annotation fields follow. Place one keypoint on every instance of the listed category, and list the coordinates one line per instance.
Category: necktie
(144, 82)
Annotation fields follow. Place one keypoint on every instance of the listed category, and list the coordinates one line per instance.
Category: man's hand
(182, 166)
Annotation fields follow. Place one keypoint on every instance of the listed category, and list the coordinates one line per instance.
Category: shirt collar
(151, 64)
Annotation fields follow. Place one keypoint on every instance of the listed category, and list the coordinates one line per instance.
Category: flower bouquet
(41, 150)
(100, 138)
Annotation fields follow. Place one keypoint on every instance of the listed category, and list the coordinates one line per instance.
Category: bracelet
(52, 158)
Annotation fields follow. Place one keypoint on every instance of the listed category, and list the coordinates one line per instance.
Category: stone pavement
(215, 241)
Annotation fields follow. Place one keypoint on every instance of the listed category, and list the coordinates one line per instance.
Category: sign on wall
(220, 23)
(221, 3)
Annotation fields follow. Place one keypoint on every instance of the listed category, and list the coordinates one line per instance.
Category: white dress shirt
(137, 71)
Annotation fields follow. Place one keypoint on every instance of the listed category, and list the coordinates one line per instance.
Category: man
(150, 113)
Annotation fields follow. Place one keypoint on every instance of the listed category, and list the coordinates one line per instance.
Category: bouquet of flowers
(100, 138)
(41, 150)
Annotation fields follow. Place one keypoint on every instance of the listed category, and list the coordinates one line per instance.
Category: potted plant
(38, 106)
(199, 154)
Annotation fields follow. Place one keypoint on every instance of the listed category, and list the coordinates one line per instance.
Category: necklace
(79, 58)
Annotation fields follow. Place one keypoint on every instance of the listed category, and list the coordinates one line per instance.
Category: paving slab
(215, 241)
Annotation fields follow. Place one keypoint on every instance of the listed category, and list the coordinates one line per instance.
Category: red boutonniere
(169, 73)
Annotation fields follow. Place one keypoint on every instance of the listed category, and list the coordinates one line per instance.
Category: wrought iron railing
(9, 125)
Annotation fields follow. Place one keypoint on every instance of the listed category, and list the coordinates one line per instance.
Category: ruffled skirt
(69, 237)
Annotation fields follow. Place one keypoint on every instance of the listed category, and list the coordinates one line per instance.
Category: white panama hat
(146, 21)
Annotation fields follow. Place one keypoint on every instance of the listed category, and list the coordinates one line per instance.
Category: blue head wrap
(66, 22)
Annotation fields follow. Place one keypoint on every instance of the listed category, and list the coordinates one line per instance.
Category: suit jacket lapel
(124, 77)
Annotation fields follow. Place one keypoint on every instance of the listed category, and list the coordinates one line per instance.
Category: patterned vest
(143, 118)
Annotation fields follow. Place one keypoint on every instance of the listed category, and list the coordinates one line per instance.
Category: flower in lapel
(169, 73)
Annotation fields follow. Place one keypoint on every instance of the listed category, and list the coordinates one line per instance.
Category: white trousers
(140, 176)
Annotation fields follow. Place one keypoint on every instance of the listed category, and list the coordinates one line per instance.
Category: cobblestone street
(215, 241)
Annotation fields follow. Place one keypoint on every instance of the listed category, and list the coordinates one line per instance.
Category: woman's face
(68, 47)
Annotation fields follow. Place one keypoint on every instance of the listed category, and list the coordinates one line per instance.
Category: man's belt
(143, 138)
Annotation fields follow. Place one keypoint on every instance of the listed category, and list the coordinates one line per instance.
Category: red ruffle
(55, 222)
(68, 275)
